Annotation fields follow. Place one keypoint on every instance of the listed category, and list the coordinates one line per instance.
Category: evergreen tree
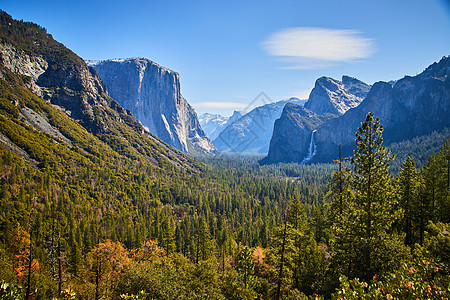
(430, 174)
(364, 246)
(436, 174)
(245, 264)
(339, 185)
(409, 182)
(288, 253)
(168, 232)
(443, 192)
(203, 245)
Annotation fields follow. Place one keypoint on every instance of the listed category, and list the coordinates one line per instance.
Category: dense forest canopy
(118, 215)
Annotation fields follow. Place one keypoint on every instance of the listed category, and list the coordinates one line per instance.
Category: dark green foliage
(436, 174)
(426, 276)
(171, 278)
(419, 148)
(410, 185)
(100, 188)
(361, 228)
(119, 212)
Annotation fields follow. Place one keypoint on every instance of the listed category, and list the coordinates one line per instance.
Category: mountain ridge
(251, 133)
(414, 106)
(410, 107)
(214, 124)
(32, 59)
(336, 97)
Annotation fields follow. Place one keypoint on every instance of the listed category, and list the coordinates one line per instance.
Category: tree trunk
(280, 273)
(30, 258)
(97, 279)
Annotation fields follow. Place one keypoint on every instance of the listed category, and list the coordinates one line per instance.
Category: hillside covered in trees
(93, 207)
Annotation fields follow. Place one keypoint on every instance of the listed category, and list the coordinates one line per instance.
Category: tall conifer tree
(362, 230)
(409, 188)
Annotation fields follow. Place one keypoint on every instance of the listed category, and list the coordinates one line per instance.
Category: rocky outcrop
(152, 94)
(214, 124)
(251, 133)
(293, 138)
(74, 87)
(336, 97)
(21, 63)
(413, 106)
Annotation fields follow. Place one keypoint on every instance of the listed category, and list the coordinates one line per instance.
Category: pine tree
(168, 234)
(74, 258)
(297, 218)
(443, 186)
(371, 178)
(245, 264)
(409, 182)
(340, 193)
(436, 174)
(430, 176)
(203, 241)
(288, 245)
(363, 244)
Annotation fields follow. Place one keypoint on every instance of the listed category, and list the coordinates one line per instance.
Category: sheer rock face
(409, 107)
(413, 106)
(21, 63)
(336, 97)
(293, 135)
(152, 94)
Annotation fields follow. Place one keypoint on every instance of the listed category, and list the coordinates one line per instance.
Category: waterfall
(311, 150)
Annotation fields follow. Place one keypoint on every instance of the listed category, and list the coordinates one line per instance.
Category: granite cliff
(336, 97)
(59, 76)
(413, 106)
(407, 108)
(294, 135)
(30, 58)
(152, 94)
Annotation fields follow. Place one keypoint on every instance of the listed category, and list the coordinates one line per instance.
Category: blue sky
(227, 52)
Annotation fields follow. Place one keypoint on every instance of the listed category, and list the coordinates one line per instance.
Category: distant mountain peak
(336, 97)
(251, 133)
(214, 124)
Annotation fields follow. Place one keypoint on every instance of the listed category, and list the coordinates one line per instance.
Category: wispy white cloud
(235, 105)
(307, 47)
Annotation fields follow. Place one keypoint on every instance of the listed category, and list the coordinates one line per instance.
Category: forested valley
(233, 230)
(98, 208)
